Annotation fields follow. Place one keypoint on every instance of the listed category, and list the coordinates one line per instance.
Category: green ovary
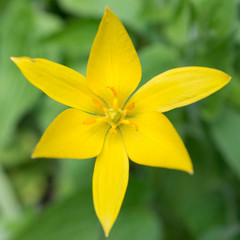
(114, 116)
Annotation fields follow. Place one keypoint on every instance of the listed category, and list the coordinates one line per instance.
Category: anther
(98, 103)
(113, 130)
(134, 125)
(130, 106)
(115, 100)
(89, 121)
(102, 119)
(113, 91)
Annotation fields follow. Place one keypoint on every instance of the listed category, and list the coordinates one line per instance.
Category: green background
(51, 199)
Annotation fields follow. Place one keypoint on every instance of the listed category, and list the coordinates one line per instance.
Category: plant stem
(9, 204)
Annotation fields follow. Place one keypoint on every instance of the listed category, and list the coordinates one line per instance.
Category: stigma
(114, 116)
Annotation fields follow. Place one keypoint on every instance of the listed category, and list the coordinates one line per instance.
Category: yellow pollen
(130, 106)
(113, 130)
(89, 121)
(113, 91)
(98, 103)
(134, 125)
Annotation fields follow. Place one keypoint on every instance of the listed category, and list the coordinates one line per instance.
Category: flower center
(113, 116)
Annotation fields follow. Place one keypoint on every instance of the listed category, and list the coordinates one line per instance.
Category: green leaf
(190, 201)
(156, 59)
(178, 30)
(226, 134)
(216, 17)
(31, 181)
(76, 38)
(126, 10)
(17, 96)
(235, 90)
(19, 36)
(19, 148)
(43, 30)
(136, 223)
(74, 175)
(74, 219)
(214, 105)
(224, 25)
(47, 111)
(160, 11)
(193, 204)
(217, 53)
(222, 233)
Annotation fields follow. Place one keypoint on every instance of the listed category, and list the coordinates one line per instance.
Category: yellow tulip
(106, 123)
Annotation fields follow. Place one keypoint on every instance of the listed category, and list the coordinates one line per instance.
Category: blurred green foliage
(51, 199)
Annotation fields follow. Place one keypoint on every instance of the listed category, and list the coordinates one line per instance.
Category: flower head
(105, 122)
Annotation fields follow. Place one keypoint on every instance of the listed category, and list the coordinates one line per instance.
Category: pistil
(114, 115)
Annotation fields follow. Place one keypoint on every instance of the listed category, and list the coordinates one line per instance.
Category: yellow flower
(105, 122)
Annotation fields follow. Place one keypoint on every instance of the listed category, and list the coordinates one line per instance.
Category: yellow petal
(58, 82)
(69, 137)
(113, 61)
(110, 180)
(155, 143)
(178, 87)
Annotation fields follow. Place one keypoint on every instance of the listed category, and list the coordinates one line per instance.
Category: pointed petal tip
(35, 153)
(108, 11)
(20, 59)
(14, 59)
(110, 180)
(229, 78)
(106, 229)
(107, 8)
(225, 77)
(191, 172)
(106, 234)
(106, 226)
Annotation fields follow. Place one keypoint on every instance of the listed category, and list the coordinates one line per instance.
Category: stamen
(113, 129)
(124, 113)
(98, 103)
(89, 121)
(102, 119)
(115, 100)
(115, 103)
(113, 91)
(124, 121)
(134, 125)
(130, 106)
